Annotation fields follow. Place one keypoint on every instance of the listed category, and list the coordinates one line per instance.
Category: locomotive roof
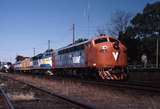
(81, 43)
(73, 45)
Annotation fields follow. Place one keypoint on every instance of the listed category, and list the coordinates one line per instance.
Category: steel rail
(7, 101)
(63, 97)
(123, 84)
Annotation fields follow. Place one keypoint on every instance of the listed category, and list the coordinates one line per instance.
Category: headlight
(103, 48)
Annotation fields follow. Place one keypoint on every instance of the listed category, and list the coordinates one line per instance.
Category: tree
(147, 23)
(132, 44)
(119, 22)
(145, 30)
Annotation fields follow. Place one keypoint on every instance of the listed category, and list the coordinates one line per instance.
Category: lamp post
(157, 49)
(157, 53)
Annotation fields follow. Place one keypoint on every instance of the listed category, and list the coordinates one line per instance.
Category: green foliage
(140, 37)
(148, 22)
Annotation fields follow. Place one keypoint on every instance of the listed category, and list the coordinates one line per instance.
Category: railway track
(5, 101)
(62, 102)
(99, 94)
(137, 85)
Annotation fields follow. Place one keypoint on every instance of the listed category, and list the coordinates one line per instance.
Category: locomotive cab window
(113, 40)
(101, 40)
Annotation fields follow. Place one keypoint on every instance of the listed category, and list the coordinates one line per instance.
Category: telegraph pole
(10, 59)
(49, 43)
(88, 17)
(34, 51)
(157, 53)
(73, 28)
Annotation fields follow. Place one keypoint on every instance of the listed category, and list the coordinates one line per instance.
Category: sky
(29, 24)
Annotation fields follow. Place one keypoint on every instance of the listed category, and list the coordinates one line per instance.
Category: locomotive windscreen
(101, 40)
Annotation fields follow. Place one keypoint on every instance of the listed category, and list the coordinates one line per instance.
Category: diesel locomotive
(103, 57)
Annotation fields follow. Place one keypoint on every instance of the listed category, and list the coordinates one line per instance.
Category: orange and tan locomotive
(102, 56)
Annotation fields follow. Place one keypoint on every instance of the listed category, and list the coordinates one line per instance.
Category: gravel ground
(100, 97)
(26, 97)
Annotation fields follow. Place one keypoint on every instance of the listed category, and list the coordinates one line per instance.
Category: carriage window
(101, 40)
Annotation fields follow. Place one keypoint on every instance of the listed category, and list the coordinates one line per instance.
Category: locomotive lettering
(115, 55)
(76, 59)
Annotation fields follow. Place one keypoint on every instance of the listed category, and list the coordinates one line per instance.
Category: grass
(21, 96)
